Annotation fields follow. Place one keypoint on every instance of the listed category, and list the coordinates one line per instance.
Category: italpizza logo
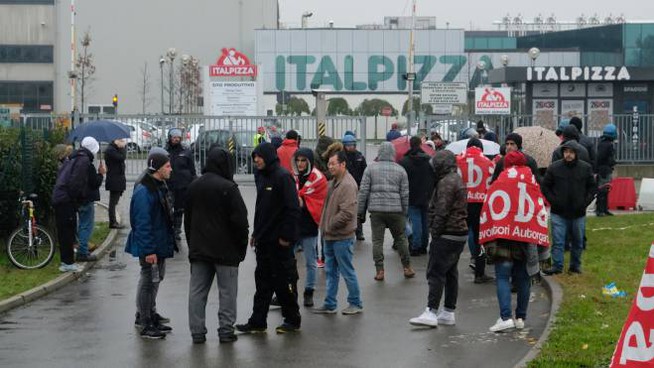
(492, 99)
(232, 63)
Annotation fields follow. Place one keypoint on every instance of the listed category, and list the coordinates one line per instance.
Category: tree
(144, 88)
(338, 106)
(426, 108)
(296, 107)
(84, 68)
(373, 107)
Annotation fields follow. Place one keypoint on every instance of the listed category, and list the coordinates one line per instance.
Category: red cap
(515, 158)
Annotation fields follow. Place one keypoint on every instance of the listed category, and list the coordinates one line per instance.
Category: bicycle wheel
(30, 256)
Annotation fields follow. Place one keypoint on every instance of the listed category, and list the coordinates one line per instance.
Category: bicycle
(30, 246)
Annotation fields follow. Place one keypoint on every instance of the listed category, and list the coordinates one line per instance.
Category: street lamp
(534, 53)
(505, 60)
(483, 74)
(162, 61)
(305, 16)
(183, 81)
(171, 55)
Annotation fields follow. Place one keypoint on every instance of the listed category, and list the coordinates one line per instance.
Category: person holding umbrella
(89, 195)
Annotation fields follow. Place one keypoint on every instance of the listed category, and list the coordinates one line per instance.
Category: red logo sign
(514, 209)
(232, 63)
(635, 347)
(492, 99)
(386, 111)
(476, 171)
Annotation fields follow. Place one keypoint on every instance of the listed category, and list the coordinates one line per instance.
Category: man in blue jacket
(152, 240)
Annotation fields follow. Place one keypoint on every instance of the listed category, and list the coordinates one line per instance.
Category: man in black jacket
(114, 156)
(571, 134)
(421, 187)
(513, 142)
(275, 231)
(215, 210)
(86, 210)
(604, 165)
(356, 165)
(569, 186)
(585, 141)
(181, 160)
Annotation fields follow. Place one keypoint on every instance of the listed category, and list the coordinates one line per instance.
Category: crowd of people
(317, 201)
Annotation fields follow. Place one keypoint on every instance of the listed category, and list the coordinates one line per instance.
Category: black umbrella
(101, 130)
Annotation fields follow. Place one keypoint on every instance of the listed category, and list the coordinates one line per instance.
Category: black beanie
(156, 161)
(475, 142)
(292, 134)
(570, 132)
(576, 122)
(515, 137)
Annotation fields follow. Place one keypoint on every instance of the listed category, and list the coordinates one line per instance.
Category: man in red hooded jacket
(287, 149)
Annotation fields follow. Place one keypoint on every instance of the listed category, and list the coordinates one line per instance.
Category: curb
(60, 281)
(556, 296)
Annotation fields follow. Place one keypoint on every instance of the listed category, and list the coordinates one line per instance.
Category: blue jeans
(420, 238)
(338, 259)
(310, 248)
(504, 271)
(86, 213)
(560, 227)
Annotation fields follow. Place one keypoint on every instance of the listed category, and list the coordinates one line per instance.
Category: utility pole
(411, 76)
(73, 49)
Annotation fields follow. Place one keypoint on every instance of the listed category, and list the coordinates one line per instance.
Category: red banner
(636, 345)
(514, 209)
(476, 171)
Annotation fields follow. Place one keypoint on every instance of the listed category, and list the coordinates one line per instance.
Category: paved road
(90, 323)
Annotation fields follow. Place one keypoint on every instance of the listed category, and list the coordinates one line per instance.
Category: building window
(33, 96)
(26, 54)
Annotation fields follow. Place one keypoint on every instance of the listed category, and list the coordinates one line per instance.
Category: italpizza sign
(232, 63)
(578, 73)
(491, 101)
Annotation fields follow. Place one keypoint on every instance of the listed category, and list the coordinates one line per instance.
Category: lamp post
(171, 55)
(483, 74)
(305, 18)
(533, 53)
(183, 81)
(162, 61)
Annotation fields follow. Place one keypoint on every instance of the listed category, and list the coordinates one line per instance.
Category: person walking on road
(183, 166)
(447, 216)
(338, 225)
(356, 165)
(569, 187)
(152, 240)
(384, 192)
(287, 149)
(605, 164)
(215, 210)
(114, 156)
(276, 217)
(86, 211)
(514, 254)
(312, 190)
(476, 171)
(70, 189)
(421, 186)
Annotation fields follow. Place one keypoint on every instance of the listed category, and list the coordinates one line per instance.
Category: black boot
(308, 298)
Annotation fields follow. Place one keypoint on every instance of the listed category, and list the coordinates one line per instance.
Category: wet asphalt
(90, 321)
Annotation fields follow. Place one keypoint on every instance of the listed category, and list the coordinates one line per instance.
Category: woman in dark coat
(114, 156)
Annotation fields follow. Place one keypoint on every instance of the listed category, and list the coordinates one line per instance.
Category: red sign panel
(232, 63)
(386, 111)
(635, 347)
(514, 209)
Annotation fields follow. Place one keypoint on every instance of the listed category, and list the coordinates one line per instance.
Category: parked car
(242, 152)
(141, 137)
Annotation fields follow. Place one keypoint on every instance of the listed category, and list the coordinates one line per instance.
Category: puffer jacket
(183, 164)
(605, 156)
(448, 208)
(385, 185)
(421, 177)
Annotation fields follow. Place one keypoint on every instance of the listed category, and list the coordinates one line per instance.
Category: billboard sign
(232, 63)
(492, 101)
(443, 93)
(233, 98)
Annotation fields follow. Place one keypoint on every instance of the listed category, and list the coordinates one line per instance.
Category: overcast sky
(460, 14)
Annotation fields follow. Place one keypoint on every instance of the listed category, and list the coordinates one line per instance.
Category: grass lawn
(14, 281)
(588, 325)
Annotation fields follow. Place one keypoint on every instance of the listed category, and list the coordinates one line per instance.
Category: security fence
(635, 143)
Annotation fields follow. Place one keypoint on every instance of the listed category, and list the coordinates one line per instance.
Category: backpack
(60, 192)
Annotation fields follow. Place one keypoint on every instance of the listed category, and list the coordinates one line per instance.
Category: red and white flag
(476, 170)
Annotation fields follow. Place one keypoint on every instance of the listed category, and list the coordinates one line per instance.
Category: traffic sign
(443, 93)
(387, 111)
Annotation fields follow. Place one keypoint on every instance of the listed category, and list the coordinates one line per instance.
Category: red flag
(476, 171)
(514, 209)
(636, 345)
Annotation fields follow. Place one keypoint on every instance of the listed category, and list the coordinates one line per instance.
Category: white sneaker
(427, 318)
(69, 267)
(502, 325)
(519, 323)
(446, 318)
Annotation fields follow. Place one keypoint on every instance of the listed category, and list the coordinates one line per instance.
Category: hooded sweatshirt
(571, 134)
(312, 189)
(277, 209)
(569, 186)
(215, 210)
(421, 177)
(448, 208)
(385, 185)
